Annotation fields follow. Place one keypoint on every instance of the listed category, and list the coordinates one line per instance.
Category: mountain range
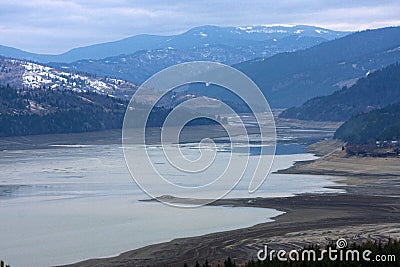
(228, 45)
(262, 40)
(290, 79)
(286, 79)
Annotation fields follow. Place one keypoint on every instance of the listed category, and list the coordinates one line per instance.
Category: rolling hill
(45, 111)
(381, 124)
(27, 75)
(38, 99)
(377, 90)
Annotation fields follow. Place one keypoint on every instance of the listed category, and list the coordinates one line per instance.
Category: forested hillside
(377, 90)
(378, 125)
(44, 111)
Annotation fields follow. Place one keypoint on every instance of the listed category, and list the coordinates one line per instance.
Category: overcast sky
(55, 26)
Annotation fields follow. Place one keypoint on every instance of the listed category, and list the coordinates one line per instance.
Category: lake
(70, 203)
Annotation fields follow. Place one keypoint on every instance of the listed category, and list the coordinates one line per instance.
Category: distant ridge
(199, 36)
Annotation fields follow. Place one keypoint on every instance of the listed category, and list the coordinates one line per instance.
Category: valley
(71, 190)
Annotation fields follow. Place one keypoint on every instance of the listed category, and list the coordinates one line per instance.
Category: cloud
(54, 26)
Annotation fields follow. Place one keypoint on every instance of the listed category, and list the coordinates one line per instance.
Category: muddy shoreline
(309, 219)
(370, 209)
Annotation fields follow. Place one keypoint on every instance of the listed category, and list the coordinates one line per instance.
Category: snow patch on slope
(33, 76)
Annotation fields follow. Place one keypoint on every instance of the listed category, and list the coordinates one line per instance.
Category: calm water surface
(65, 204)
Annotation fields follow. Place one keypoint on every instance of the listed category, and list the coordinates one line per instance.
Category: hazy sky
(54, 26)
